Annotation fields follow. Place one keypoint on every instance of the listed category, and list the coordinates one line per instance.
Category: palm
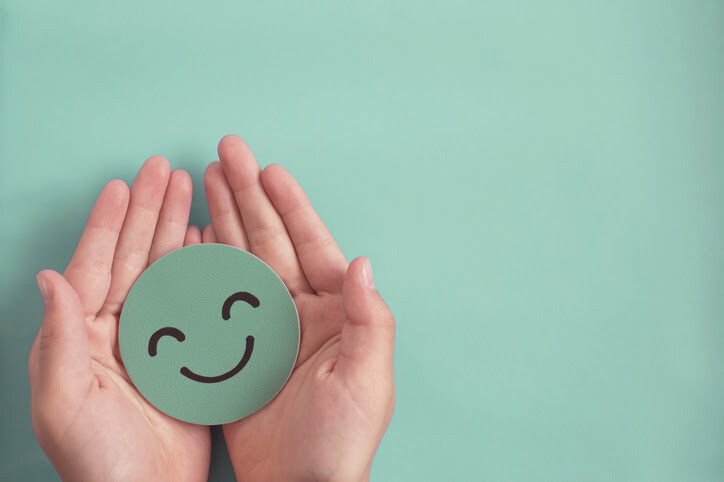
(90, 418)
(154, 445)
(294, 429)
(328, 419)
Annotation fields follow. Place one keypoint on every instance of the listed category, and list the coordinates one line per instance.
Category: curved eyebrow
(240, 296)
(167, 331)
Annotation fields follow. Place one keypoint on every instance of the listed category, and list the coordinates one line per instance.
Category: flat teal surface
(537, 184)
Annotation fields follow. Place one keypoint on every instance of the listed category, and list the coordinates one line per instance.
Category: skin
(327, 421)
(329, 418)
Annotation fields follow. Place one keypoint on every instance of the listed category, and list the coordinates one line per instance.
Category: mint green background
(186, 289)
(537, 184)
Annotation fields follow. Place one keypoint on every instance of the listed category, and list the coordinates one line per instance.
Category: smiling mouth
(220, 378)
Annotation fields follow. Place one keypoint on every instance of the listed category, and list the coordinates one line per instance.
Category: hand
(87, 415)
(328, 420)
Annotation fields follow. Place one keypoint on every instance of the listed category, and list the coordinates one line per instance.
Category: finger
(323, 263)
(268, 238)
(209, 234)
(224, 213)
(193, 235)
(368, 334)
(63, 353)
(174, 216)
(89, 270)
(134, 242)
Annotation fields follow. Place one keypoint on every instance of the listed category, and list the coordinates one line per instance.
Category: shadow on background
(51, 246)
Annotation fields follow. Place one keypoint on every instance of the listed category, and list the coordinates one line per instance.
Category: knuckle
(264, 233)
(46, 338)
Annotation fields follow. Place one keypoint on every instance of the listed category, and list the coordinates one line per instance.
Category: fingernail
(44, 288)
(367, 274)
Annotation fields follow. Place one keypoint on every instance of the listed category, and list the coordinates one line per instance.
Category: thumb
(62, 351)
(368, 335)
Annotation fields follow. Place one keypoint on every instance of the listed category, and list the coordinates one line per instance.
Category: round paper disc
(209, 334)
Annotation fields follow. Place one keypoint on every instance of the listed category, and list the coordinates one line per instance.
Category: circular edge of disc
(296, 355)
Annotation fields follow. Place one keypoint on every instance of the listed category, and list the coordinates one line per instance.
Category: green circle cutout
(190, 362)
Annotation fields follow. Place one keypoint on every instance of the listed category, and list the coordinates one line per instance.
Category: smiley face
(209, 334)
(225, 314)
